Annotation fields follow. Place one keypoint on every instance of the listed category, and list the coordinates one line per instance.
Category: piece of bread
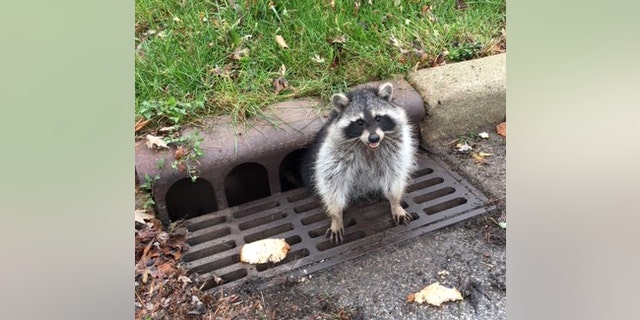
(263, 251)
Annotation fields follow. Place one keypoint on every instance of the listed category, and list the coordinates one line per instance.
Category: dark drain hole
(434, 195)
(218, 264)
(347, 238)
(187, 199)
(246, 182)
(268, 233)
(320, 231)
(256, 209)
(226, 278)
(422, 172)
(291, 256)
(307, 207)
(261, 221)
(299, 196)
(445, 205)
(424, 184)
(314, 218)
(209, 251)
(206, 223)
(215, 234)
(290, 177)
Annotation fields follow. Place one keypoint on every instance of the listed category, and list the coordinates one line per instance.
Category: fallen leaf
(166, 129)
(460, 5)
(239, 53)
(435, 294)
(502, 129)
(142, 216)
(484, 154)
(181, 151)
(317, 59)
(480, 158)
(440, 59)
(483, 135)
(503, 224)
(140, 124)
(281, 42)
(463, 147)
(263, 251)
(279, 84)
(283, 70)
(155, 141)
(338, 39)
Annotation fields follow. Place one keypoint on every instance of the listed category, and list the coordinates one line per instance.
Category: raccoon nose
(373, 138)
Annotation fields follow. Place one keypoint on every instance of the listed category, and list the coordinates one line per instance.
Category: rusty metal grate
(436, 197)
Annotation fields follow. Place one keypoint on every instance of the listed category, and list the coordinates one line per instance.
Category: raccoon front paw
(336, 236)
(402, 218)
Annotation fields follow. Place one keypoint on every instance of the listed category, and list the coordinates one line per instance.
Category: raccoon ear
(340, 101)
(385, 91)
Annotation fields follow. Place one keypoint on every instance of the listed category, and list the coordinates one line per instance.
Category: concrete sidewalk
(471, 255)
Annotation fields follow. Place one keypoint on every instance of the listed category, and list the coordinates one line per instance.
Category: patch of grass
(217, 57)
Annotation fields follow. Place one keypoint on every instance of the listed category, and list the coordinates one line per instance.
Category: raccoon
(365, 148)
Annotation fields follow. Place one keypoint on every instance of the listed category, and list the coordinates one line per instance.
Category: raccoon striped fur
(365, 148)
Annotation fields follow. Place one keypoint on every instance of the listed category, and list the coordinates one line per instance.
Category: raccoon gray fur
(366, 147)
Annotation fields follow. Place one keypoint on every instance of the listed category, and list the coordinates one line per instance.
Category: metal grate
(436, 197)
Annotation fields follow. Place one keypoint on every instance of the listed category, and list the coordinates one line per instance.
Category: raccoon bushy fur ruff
(366, 147)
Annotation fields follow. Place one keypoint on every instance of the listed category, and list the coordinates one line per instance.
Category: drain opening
(434, 195)
(218, 264)
(246, 182)
(321, 231)
(299, 196)
(314, 218)
(215, 234)
(349, 237)
(206, 223)
(215, 249)
(268, 232)
(226, 278)
(290, 177)
(187, 199)
(307, 207)
(421, 172)
(445, 205)
(291, 256)
(261, 221)
(424, 184)
(256, 209)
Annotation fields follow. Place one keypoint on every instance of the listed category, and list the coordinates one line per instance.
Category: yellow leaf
(281, 42)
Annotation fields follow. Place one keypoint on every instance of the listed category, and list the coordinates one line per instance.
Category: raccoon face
(367, 115)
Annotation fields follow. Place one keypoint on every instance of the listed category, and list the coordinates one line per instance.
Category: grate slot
(434, 195)
(445, 205)
(255, 209)
(421, 172)
(291, 256)
(207, 223)
(261, 221)
(217, 264)
(264, 234)
(299, 196)
(349, 237)
(208, 251)
(424, 184)
(209, 235)
(307, 207)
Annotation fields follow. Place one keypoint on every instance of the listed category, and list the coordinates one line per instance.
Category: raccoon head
(367, 114)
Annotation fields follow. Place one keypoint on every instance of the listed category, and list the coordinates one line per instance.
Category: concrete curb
(461, 97)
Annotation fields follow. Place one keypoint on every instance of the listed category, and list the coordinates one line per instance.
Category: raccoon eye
(377, 118)
(359, 122)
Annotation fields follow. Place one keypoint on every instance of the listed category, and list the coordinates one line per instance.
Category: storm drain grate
(435, 198)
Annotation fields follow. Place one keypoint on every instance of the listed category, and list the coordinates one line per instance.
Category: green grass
(185, 64)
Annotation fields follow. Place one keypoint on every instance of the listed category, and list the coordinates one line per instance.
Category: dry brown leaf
(142, 216)
(281, 42)
(280, 84)
(239, 53)
(460, 5)
(477, 158)
(440, 59)
(501, 129)
(435, 294)
(140, 124)
(263, 251)
(153, 141)
(181, 151)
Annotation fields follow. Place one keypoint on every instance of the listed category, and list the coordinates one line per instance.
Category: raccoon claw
(402, 219)
(336, 236)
